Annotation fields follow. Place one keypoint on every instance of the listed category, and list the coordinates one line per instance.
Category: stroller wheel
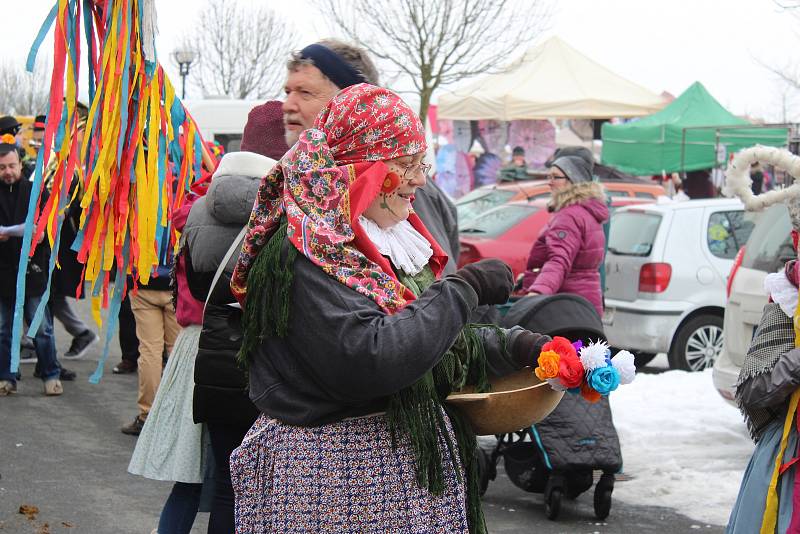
(602, 503)
(484, 470)
(602, 495)
(552, 503)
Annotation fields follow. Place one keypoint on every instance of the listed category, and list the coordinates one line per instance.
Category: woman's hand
(491, 279)
(533, 293)
(526, 348)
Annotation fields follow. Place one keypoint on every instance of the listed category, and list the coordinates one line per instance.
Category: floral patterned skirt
(341, 477)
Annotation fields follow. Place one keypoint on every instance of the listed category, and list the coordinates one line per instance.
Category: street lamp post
(184, 58)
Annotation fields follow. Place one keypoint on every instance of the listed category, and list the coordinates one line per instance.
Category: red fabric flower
(561, 346)
(390, 183)
(570, 370)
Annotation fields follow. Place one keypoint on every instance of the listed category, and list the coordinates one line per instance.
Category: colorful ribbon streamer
(140, 153)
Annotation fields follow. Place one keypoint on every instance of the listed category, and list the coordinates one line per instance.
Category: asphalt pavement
(65, 460)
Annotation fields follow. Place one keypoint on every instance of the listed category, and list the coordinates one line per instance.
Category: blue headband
(332, 65)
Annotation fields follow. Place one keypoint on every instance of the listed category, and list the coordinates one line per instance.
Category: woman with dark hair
(353, 341)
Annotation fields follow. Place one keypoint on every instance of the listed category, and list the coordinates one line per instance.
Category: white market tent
(551, 80)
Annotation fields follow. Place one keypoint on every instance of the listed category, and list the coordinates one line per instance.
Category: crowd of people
(294, 356)
(313, 319)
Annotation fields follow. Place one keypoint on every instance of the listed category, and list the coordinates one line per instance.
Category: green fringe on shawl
(467, 448)
(269, 282)
(417, 411)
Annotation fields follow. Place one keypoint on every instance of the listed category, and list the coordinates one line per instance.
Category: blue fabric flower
(604, 380)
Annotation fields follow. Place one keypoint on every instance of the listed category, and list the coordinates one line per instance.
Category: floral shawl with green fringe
(315, 204)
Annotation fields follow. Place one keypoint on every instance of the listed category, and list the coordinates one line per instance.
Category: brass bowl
(516, 401)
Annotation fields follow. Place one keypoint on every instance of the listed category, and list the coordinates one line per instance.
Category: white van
(221, 120)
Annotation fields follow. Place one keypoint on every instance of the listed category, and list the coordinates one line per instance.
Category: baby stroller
(558, 456)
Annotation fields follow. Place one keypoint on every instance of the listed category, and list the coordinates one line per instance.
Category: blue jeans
(179, 511)
(44, 341)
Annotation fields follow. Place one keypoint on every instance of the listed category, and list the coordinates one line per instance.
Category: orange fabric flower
(589, 394)
(548, 365)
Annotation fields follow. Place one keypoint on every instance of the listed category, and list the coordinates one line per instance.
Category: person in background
(15, 193)
(698, 184)
(37, 133)
(567, 255)
(517, 169)
(11, 126)
(128, 342)
(679, 195)
(67, 283)
(157, 328)
(215, 220)
(757, 178)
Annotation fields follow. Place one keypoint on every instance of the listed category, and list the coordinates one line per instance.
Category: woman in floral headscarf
(352, 343)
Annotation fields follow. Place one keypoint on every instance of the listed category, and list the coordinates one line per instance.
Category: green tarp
(693, 132)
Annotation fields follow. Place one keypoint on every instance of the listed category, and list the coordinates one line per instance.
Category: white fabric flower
(556, 384)
(593, 355)
(623, 362)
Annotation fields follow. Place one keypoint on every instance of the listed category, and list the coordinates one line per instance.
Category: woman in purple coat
(566, 256)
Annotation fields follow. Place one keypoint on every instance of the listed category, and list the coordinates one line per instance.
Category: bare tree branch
(239, 50)
(22, 92)
(437, 42)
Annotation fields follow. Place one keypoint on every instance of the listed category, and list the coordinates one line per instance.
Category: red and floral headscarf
(326, 180)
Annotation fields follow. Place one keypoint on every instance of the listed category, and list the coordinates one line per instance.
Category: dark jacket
(343, 356)
(773, 388)
(440, 217)
(220, 392)
(566, 256)
(13, 210)
(69, 272)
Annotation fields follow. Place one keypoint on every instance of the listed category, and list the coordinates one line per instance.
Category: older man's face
(307, 92)
(10, 168)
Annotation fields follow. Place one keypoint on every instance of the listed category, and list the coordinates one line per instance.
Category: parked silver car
(666, 269)
(766, 251)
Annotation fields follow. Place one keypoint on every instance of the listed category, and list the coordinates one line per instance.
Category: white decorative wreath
(738, 182)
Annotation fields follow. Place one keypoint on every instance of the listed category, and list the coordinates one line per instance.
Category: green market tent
(693, 132)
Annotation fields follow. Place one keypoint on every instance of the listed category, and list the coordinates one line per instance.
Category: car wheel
(640, 359)
(697, 344)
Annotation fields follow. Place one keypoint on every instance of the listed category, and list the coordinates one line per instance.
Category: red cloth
(188, 310)
(327, 180)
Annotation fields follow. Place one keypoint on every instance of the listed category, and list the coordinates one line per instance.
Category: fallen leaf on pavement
(29, 511)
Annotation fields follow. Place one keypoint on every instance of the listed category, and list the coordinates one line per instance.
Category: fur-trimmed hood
(578, 194)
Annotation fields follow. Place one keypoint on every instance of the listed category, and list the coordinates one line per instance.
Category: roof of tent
(551, 80)
(684, 136)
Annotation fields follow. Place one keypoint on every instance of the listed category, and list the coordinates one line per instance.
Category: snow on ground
(684, 446)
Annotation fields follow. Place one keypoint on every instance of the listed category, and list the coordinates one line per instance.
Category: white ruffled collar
(783, 293)
(402, 244)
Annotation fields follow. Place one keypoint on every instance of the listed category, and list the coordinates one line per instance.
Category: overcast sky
(662, 45)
